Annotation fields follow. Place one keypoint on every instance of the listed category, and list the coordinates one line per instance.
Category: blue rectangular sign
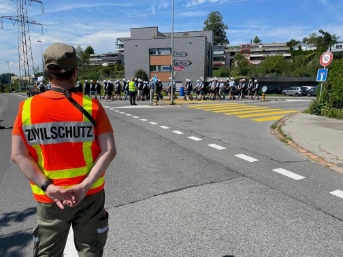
(322, 75)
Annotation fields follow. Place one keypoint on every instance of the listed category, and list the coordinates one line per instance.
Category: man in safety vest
(64, 153)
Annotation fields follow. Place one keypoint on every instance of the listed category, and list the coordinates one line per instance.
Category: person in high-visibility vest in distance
(63, 142)
(132, 91)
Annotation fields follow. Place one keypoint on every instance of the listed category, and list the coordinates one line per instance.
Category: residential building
(150, 50)
(219, 55)
(338, 47)
(109, 58)
(304, 47)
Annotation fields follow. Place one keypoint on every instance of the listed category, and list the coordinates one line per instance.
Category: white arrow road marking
(178, 132)
(195, 138)
(218, 147)
(246, 157)
(164, 127)
(289, 174)
(338, 193)
(153, 123)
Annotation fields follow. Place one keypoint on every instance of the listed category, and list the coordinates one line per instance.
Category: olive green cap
(61, 55)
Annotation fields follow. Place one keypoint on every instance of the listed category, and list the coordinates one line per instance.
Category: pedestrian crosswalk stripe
(243, 111)
(268, 118)
(264, 111)
(264, 114)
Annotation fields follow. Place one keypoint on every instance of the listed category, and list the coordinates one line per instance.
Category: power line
(26, 66)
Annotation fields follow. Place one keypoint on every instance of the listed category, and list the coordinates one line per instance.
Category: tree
(312, 39)
(141, 74)
(215, 23)
(326, 41)
(292, 43)
(89, 50)
(83, 56)
(241, 66)
(257, 40)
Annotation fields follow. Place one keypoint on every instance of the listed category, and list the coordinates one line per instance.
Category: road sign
(182, 63)
(179, 54)
(179, 68)
(326, 59)
(322, 75)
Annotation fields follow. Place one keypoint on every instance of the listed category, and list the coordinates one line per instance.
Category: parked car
(296, 91)
(308, 87)
(312, 91)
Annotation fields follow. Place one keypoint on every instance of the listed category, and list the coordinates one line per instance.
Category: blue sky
(99, 23)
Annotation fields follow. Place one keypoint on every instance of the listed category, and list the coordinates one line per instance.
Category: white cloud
(200, 2)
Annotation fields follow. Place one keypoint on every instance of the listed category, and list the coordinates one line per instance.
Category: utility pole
(172, 58)
(26, 67)
(41, 53)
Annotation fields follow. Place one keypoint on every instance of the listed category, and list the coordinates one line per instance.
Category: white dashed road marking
(289, 174)
(144, 120)
(178, 132)
(136, 117)
(153, 123)
(128, 114)
(164, 127)
(338, 193)
(195, 138)
(246, 157)
(218, 147)
(122, 112)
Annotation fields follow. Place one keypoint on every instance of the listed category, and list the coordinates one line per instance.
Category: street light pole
(9, 76)
(172, 58)
(41, 53)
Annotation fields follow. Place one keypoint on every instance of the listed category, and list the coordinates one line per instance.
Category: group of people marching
(220, 89)
(113, 90)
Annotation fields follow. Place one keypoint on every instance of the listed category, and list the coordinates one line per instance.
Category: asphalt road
(195, 182)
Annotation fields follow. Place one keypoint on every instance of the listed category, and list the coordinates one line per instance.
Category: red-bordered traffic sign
(179, 68)
(326, 59)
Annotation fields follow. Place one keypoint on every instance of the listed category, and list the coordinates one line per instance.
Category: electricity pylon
(26, 67)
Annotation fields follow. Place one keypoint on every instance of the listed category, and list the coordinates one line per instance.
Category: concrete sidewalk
(318, 135)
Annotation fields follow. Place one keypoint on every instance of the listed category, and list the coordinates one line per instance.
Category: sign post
(325, 60)
(179, 54)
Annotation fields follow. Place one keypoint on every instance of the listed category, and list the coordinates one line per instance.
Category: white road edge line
(338, 193)
(153, 123)
(218, 147)
(178, 132)
(195, 138)
(246, 158)
(288, 174)
(164, 127)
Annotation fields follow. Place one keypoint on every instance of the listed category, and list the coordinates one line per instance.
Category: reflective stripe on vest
(41, 137)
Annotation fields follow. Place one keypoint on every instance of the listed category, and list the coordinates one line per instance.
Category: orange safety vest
(61, 140)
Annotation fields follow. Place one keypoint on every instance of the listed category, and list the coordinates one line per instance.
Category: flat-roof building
(150, 50)
(109, 58)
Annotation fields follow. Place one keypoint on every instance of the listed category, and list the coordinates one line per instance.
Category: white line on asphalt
(289, 174)
(122, 112)
(144, 120)
(128, 114)
(153, 123)
(218, 147)
(111, 109)
(164, 127)
(178, 132)
(105, 106)
(195, 138)
(246, 157)
(338, 193)
(116, 110)
(69, 250)
(136, 117)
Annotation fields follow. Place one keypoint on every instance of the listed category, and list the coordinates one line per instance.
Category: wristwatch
(46, 184)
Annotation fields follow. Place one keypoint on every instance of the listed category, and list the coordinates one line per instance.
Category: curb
(298, 148)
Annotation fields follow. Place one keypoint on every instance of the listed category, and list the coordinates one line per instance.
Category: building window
(160, 51)
(160, 68)
(338, 46)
